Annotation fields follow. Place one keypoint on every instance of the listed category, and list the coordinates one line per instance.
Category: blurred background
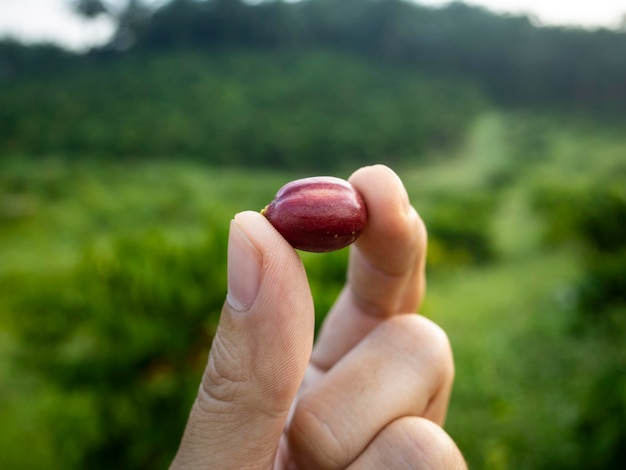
(131, 131)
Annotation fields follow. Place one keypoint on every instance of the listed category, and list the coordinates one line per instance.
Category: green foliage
(319, 110)
(459, 229)
(112, 276)
(601, 427)
(327, 275)
(127, 332)
(592, 217)
(316, 84)
(512, 59)
(601, 224)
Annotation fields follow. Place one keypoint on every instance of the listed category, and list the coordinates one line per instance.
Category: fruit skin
(318, 214)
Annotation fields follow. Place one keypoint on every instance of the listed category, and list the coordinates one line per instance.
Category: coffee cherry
(318, 214)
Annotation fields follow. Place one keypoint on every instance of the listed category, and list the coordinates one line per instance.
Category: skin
(371, 393)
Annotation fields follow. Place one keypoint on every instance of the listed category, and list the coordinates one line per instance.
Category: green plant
(127, 333)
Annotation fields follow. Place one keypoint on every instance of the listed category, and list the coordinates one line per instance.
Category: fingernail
(244, 269)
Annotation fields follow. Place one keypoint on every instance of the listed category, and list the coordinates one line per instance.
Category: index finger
(386, 272)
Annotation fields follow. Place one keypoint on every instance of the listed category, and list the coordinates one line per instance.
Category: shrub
(123, 337)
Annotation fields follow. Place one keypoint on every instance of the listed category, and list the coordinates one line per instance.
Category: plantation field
(112, 275)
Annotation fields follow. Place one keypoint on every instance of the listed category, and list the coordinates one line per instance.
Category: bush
(459, 229)
(316, 110)
(593, 217)
(123, 338)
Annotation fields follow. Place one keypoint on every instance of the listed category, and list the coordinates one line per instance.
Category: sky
(55, 22)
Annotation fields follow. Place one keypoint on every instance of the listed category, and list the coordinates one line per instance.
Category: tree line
(514, 60)
(311, 84)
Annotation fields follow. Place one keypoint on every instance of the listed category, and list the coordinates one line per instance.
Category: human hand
(374, 390)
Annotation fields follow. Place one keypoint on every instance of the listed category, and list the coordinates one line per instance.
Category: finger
(386, 273)
(403, 368)
(258, 356)
(411, 442)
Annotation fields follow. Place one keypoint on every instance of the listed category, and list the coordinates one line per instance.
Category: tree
(130, 18)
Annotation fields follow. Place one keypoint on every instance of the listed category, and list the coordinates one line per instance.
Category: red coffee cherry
(318, 214)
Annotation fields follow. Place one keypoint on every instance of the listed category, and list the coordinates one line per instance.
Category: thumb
(258, 357)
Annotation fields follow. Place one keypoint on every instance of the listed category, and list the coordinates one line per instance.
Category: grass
(508, 330)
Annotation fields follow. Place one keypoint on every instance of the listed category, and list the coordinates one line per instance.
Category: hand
(374, 390)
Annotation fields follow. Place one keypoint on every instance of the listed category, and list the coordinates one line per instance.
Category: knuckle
(420, 443)
(422, 338)
(313, 438)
